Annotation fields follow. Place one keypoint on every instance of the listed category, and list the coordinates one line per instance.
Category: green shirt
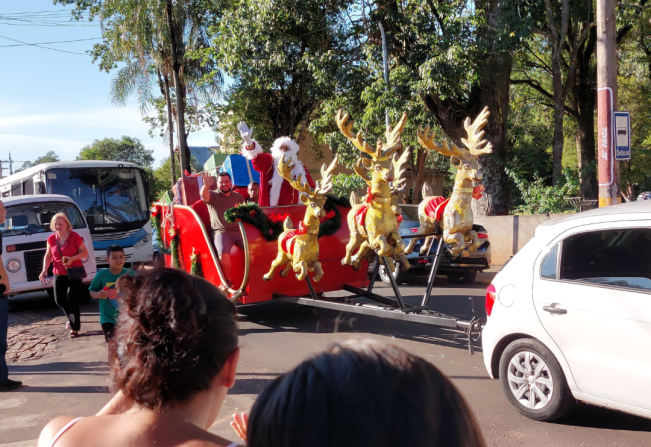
(108, 307)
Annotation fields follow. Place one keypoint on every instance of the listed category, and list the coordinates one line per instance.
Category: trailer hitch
(472, 328)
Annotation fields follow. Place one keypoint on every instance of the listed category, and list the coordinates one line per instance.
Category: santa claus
(274, 190)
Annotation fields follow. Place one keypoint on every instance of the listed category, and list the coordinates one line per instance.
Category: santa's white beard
(277, 180)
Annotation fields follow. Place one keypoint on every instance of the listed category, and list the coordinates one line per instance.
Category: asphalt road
(277, 336)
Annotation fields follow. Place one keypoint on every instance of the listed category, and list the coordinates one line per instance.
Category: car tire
(400, 277)
(551, 395)
(467, 278)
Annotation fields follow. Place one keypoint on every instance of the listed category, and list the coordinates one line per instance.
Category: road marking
(20, 421)
(10, 403)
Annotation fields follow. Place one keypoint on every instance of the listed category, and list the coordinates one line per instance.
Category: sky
(59, 100)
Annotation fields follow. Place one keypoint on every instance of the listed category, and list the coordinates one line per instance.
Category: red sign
(605, 135)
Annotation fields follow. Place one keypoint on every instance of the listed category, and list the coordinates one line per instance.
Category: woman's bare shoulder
(51, 429)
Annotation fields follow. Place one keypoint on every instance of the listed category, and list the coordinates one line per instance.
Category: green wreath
(252, 214)
(156, 222)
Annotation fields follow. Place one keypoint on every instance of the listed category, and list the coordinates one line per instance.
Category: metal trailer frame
(394, 308)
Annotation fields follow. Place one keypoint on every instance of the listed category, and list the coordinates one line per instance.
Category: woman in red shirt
(65, 248)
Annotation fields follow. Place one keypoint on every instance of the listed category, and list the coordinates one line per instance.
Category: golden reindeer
(457, 216)
(299, 248)
(378, 229)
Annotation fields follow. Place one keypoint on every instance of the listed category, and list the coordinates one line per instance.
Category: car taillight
(490, 299)
(414, 230)
(482, 235)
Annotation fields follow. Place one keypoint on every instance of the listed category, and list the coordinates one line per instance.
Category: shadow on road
(603, 418)
(64, 389)
(85, 368)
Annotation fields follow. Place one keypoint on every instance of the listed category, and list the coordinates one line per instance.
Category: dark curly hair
(360, 394)
(175, 333)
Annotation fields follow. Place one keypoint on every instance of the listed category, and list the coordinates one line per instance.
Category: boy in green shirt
(103, 288)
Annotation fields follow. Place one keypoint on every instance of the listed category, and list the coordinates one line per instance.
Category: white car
(24, 239)
(569, 317)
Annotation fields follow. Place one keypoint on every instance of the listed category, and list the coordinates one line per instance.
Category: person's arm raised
(205, 188)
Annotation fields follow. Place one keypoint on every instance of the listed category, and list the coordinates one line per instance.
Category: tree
(126, 149)
(49, 157)
(154, 38)
(286, 57)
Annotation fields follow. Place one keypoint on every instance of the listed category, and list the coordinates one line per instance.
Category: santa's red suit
(275, 190)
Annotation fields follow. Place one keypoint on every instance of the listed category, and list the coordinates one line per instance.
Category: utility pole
(385, 66)
(609, 192)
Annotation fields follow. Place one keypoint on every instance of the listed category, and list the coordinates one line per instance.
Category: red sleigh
(250, 264)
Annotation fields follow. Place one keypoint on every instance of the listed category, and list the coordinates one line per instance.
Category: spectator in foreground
(104, 288)
(360, 394)
(65, 250)
(177, 354)
(6, 383)
(254, 191)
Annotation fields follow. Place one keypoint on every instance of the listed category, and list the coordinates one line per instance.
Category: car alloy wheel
(533, 380)
(530, 380)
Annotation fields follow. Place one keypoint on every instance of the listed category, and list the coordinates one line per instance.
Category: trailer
(190, 248)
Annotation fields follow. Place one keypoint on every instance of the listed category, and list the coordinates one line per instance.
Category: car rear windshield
(30, 218)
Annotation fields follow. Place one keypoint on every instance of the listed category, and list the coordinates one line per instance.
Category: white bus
(111, 194)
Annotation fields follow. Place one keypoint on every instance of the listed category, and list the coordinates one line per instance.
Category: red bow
(369, 196)
(399, 218)
(277, 217)
(477, 192)
(330, 215)
(302, 229)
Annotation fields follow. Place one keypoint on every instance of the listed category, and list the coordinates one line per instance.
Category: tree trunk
(418, 174)
(559, 113)
(170, 127)
(177, 45)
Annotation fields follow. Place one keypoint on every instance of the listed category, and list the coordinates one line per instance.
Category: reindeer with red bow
(373, 225)
(455, 213)
(299, 248)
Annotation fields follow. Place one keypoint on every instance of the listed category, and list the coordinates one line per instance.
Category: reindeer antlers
(324, 185)
(285, 170)
(382, 152)
(399, 169)
(475, 142)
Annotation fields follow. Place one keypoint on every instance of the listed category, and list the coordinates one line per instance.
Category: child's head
(115, 256)
(363, 394)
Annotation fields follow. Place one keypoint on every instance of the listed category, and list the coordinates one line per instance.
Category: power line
(47, 43)
(39, 46)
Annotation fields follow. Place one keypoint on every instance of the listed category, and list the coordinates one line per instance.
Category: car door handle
(554, 310)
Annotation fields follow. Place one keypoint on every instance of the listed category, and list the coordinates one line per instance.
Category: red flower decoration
(330, 214)
(477, 192)
(252, 212)
(399, 218)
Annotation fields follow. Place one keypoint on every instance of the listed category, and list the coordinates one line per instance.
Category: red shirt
(68, 248)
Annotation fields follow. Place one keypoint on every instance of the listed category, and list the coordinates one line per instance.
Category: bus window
(16, 189)
(28, 187)
(39, 188)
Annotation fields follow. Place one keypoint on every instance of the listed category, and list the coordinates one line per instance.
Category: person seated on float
(225, 234)
(361, 394)
(254, 191)
(201, 208)
(177, 352)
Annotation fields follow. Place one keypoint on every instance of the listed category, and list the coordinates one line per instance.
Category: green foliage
(128, 149)
(344, 184)
(537, 198)
(49, 157)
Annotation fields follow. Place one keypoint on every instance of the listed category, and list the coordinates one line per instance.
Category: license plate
(48, 280)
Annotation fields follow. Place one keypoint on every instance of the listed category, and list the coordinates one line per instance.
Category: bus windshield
(106, 196)
(30, 218)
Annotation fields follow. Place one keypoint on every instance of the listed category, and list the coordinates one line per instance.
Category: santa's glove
(245, 132)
